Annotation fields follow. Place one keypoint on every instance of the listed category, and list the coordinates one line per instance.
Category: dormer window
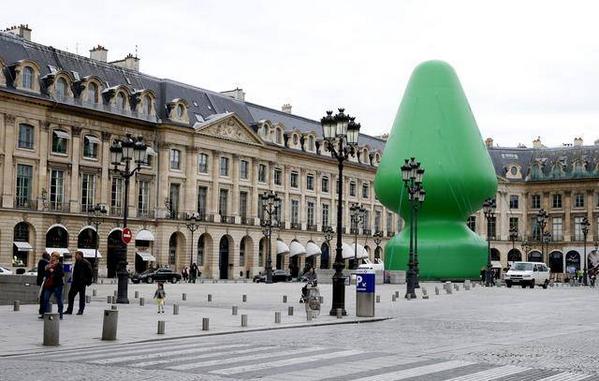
(311, 146)
(177, 110)
(295, 140)
(148, 105)
(121, 101)
(28, 75)
(92, 92)
(278, 136)
(180, 111)
(61, 89)
(60, 140)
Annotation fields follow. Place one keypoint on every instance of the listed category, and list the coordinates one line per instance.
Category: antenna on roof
(76, 48)
(135, 50)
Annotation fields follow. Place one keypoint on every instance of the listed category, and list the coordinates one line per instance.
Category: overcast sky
(529, 68)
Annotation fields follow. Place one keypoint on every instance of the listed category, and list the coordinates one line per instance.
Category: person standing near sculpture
(82, 277)
(53, 284)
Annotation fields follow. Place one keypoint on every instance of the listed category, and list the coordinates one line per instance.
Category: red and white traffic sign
(127, 235)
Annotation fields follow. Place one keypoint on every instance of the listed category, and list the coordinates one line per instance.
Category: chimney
(286, 108)
(597, 142)
(22, 31)
(384, 136)
(537, 143)
(99, 53)
(578, 142)
(489, 142)
(129, 62)
(235, 94)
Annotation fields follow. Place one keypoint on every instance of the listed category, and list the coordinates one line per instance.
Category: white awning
(62, 134)
(282, 247)
(144, 235)
(296, 248)
(349, 251)
(92, 139)
(89, 253)
(61, 250)
(312, 249)
(496, 265)
(23, 246)
(146, 256)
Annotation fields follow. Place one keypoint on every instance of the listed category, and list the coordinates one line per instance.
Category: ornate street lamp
(270, 208)
(584, 225)
(377, 237)
(341, 134)
(542, 217)
(489, 211)
(95, 218)
(328, 233)
(122, 152)
(525, 247)
(192, 225)
(356, 212)
(513, 236)
(411, 175)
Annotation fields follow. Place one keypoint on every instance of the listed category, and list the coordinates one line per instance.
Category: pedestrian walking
(41, 275)
(82, 277)
(160, 297)
(193, 273)
(185, 274)
(53, 284)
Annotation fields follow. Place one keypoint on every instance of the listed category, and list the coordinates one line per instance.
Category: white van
(527, 274)
(377, 265)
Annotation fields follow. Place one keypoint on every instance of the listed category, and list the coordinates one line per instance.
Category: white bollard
(209, 297)
(205, 324)
(277, 317)
(141, 301)
(234, 310)
(161, 327)
(290, 310)
(244, 298)
(244, 320)
(51, 329)
(175, 309)
(184, 296)
(136, 294)
(94, 292)
(109, 324)
(284, 298)
(16, 305)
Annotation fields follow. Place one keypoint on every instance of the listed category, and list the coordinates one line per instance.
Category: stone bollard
(436, 290)
(205, 324)
(88, 299)
(424, 293)
(284, 298)
(290, 310)
(234, 310)
(114, 293)
(309, 315)
(396, 294)
(142, 301)
(321, 299)
(244, 320)
(94, 292)
(277, 317)
(175, 309)
(161, 327)
(184, 296)
(101, 281)
(457, 287)
(393, 298)
(378, 298)
(136, 294)
(109, 299)
(244, 298)
(409, 296)
(209, 297)
(114, 307)
(51, 329)
(109, 325)
(339, 313)
(16, 305)
(448, 290)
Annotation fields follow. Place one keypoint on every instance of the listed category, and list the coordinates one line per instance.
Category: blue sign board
(365, 282)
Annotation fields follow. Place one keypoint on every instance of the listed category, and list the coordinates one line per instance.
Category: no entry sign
(127, 236)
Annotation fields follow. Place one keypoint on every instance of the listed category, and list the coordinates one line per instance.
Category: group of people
(190, 275)
(50, 278)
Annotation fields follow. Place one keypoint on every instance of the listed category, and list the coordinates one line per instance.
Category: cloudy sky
(529, 68)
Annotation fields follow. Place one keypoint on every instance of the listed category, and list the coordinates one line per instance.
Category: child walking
(160, 297)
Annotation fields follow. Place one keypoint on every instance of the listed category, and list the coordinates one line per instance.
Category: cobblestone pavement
(481, 334)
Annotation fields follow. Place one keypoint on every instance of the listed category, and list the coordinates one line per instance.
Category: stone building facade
(211, 153)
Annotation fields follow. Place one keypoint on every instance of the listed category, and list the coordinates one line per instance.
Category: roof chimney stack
(578, 142)
(129, 62)
(22, 31)
(99, 53)
(489, 142)
(537, 143)
(286, 108)
(238, 94)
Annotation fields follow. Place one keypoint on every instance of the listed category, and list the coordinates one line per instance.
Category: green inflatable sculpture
(435, 125)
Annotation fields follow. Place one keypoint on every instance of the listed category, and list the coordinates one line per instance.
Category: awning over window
(349, 251)
(62, 134)
(93, 139)
(61, 250)
(296, 248)
(312, 249)
(89, 253)
(144, 235)
(144, 255)
(282, 247)
(23, 246)
(496, 265)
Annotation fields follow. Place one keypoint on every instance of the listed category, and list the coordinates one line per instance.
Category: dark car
(160, 275)
(277, 276)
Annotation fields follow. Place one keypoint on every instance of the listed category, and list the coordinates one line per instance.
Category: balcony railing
(24, 203)
(312, 228)
(247, 221)
(115, 210)
(227, 219)
(141, 213)
(324, 227)
(366, 231)
(296, 225)
(353, 231)
(59, 207)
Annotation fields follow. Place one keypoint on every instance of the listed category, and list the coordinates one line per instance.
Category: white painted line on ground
(286, 362)
(161, 352)
(491, 374)
(226, 361)
(418, 371)
(565, 376)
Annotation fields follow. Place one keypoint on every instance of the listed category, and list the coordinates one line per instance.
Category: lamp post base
(123, 284)
(338, 294)
(488, 277)
(411, 282)
(269, 275)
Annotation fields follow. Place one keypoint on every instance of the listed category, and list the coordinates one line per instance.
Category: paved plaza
(480, 334)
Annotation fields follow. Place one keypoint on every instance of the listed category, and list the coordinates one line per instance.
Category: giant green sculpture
(435, 125)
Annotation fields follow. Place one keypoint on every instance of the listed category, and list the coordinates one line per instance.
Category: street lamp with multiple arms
(122, 152)
(489, 211)
(377, 237)
(411, 175)
(341, 134)
(192, 225)
(357, 213)
(542, 217)
(270, 210)
(95, 218)
(584, 225)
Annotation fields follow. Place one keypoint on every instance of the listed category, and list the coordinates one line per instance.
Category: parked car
(377, 265)
(4, 271)
(277, 276)
(31, 271)
(527, 274)
(159, 275)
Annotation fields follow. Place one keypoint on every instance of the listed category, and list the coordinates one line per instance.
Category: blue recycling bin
(365, 292)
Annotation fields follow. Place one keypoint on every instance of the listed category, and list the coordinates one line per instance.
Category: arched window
(295, 140)
(28, 77)
(148, 105)
(200, 255)
(61, 88)
(242, 252)
(278, 136)
(311, 146)
(324, 257)
(121, 101)
(92, 92)
(180, 111)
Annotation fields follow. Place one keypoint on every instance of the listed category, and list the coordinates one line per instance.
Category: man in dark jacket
(41, 270)
(82, 277)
